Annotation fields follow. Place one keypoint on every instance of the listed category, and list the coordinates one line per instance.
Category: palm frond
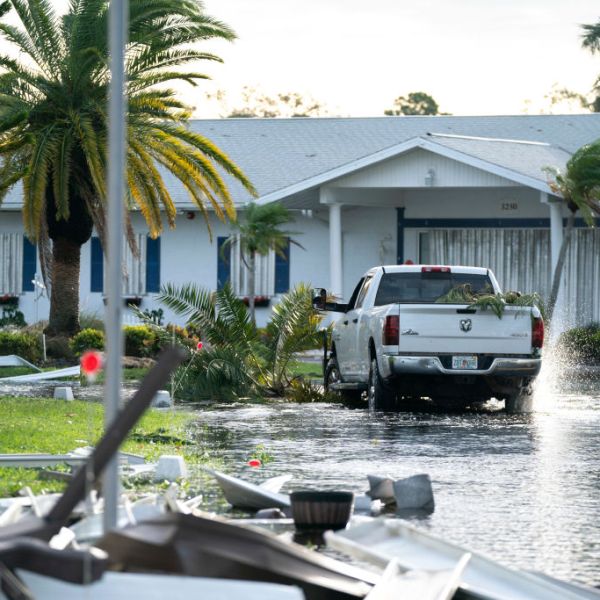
(591, 37)
(217, 374)
(294, 326)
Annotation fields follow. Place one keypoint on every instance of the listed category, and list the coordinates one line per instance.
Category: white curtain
(264, 282)
(134, 276)
(11, 263)
(520, 259)
(581, 281)
(134, 269)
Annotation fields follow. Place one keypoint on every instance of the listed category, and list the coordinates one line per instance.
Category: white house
(365, 191)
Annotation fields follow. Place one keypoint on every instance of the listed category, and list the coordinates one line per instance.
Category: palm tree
(53, 127)
(257, 235)
(591, 37)
(579, 186)
(590, 40)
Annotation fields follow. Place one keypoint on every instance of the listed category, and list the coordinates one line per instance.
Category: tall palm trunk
(558, 270)
(64, 300)
(251, 291)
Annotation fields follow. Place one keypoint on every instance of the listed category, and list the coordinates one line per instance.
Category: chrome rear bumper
(431, 365)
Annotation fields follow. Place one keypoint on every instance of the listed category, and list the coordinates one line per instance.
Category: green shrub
(60, 348)
(582, 343)
(140, 340)
(89, 320)
(25, 345)
(87, 339)
(11, 317)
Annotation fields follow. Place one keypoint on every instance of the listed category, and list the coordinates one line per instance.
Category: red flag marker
(254, 462)
(91, 364)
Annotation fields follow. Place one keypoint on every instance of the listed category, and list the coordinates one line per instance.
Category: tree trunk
(251, 293)
(64, 300)
(558, 270)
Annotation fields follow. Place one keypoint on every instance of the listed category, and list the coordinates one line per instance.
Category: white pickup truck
(401, 337)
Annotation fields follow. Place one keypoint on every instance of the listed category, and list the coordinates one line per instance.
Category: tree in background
(416, 103)
(255, 103)
(591, 41)
(579, 187)
(53, 127)
(257, 233)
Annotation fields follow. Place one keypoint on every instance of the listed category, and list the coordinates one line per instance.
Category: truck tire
(519, 402)
(333, 375)
(379, 396)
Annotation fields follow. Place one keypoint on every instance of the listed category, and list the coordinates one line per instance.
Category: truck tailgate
(447, 328)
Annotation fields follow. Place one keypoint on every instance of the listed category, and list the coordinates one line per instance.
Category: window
(11, 263)
(29, 265)
(141, 273)
(363, 292)
(272, 272)
(418, 287)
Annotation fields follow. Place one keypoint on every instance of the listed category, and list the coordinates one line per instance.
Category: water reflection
(521, 488)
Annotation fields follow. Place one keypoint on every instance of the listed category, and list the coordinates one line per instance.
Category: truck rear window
(419, 287)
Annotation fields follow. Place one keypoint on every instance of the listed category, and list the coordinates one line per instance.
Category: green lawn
(310, 370)
(36, 425)
(133, 374)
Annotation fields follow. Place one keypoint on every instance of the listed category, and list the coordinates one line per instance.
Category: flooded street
(523, 489)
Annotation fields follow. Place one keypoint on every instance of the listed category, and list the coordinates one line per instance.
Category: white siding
(410, 170)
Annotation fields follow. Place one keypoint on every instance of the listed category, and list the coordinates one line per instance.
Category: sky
(475, 57)
(356, 56)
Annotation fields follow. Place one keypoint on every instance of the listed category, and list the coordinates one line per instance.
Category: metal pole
(117, 31)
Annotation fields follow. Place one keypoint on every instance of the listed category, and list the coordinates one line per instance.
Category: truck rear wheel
(520, 402)
(379, 396)
(332, 376)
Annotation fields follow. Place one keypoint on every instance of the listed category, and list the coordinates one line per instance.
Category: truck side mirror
(320, 302)
(319, 298)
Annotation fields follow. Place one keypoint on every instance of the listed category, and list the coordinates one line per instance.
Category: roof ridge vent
(486, 139)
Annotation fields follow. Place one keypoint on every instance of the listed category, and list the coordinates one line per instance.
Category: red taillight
(537, 332)
(391, 330)
(435, 270)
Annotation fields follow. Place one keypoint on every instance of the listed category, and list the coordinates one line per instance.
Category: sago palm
(53, 126)
(237, 360)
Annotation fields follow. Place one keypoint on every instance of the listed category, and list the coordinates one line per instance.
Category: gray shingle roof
(278, 153)
(529, 159)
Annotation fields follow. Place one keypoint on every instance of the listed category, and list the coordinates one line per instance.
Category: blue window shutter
(97, 266)
(29, 265)
(223, 264)
(152, 265)
(282, 271)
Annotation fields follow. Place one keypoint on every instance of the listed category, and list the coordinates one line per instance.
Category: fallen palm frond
(497, 303)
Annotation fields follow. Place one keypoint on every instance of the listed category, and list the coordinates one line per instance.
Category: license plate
(464, 362)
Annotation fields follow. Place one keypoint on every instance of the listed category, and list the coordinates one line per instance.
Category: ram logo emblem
(466, 324)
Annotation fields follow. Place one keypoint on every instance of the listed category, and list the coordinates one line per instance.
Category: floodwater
(523, 489)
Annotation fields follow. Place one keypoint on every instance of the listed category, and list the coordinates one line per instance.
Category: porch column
(335, 249)
(326, 196)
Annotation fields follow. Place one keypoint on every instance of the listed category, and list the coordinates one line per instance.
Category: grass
(311, 370)
(35, 425)
(15, 371)
(132, 374)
